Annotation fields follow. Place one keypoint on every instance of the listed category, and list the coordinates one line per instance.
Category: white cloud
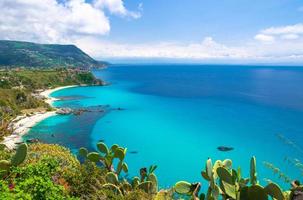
(140, 6)
(289, 32)
(208, 48)
(264, 38)
(116, 7)
(49, 21)
(290, 29)
(290, 36)
(85, 24)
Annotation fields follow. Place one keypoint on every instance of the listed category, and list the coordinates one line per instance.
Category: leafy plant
(107, 156)
(228, 183)
(17, 159)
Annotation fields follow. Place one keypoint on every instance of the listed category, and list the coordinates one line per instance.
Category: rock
(33, 140)
(64, 111)
(224, 148)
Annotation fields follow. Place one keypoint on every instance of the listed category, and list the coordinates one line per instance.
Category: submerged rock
(224, 148)
(32, 140)
(64, 111)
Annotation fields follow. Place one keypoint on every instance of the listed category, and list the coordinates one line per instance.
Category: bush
(88, 181)
(40, 188)
(67, 161)
(37, 181)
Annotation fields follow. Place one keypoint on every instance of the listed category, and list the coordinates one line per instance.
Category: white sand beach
(47, 93)
(22, 124)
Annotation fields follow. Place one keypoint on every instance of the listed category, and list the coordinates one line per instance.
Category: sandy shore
(47, 93)
(22, 124)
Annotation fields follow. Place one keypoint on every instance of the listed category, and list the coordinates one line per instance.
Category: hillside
(18, 88)
(27, 54)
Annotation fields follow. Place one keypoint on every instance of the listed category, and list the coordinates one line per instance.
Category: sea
(176, 116)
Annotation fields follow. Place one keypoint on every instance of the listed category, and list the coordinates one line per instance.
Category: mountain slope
(27, 54)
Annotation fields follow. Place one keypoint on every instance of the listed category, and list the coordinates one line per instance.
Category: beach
(47, 93)
(23, 123)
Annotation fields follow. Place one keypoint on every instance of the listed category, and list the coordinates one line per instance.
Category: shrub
(88, 181)
(40, 180)
(68, 163)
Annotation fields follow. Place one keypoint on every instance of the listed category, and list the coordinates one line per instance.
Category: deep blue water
(176, 116)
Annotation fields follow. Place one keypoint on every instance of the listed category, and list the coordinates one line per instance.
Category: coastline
(48, 98)
(22, 123)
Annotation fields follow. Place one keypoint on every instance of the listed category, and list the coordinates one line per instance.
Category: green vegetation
(26, 54)
(19, 90)
(228, 183)
(49, 171)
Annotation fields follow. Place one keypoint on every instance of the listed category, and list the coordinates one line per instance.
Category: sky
(240, 31)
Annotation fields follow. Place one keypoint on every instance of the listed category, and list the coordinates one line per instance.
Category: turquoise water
(175, 116)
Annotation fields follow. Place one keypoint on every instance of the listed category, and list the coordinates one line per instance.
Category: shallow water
(176, 116)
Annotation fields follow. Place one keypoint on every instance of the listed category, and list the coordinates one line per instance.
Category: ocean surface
(175, 116)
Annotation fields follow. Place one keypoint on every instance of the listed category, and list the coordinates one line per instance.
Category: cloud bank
(207, 49)
(49, 21)
(290, 32)
(86, 23)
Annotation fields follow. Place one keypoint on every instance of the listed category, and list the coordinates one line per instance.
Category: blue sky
(225, 20)
(241, 31)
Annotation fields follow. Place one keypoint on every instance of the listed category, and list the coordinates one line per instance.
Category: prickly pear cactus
(20, 155)
(126, 187)
(183, 187)
(112, 178)
(4, 165)
(83, 152)
(107, 156)
(227, 163)
(209, 168)
(253, 172)
(93, 157)
(112, 187)
(225, 175)
(114, 147)
(102, 147)
(253, 192)
(153, 178)
(274, 191)
(135, 182)
(122, 166)
(120, 153)
(146, 186)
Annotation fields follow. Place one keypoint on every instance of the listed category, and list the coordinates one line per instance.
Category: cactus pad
(183, 187)
(112, 178)
(20, 155)
(4, 165)
(93, 156)
(102, 147)
(274, 191)
(83, 152)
